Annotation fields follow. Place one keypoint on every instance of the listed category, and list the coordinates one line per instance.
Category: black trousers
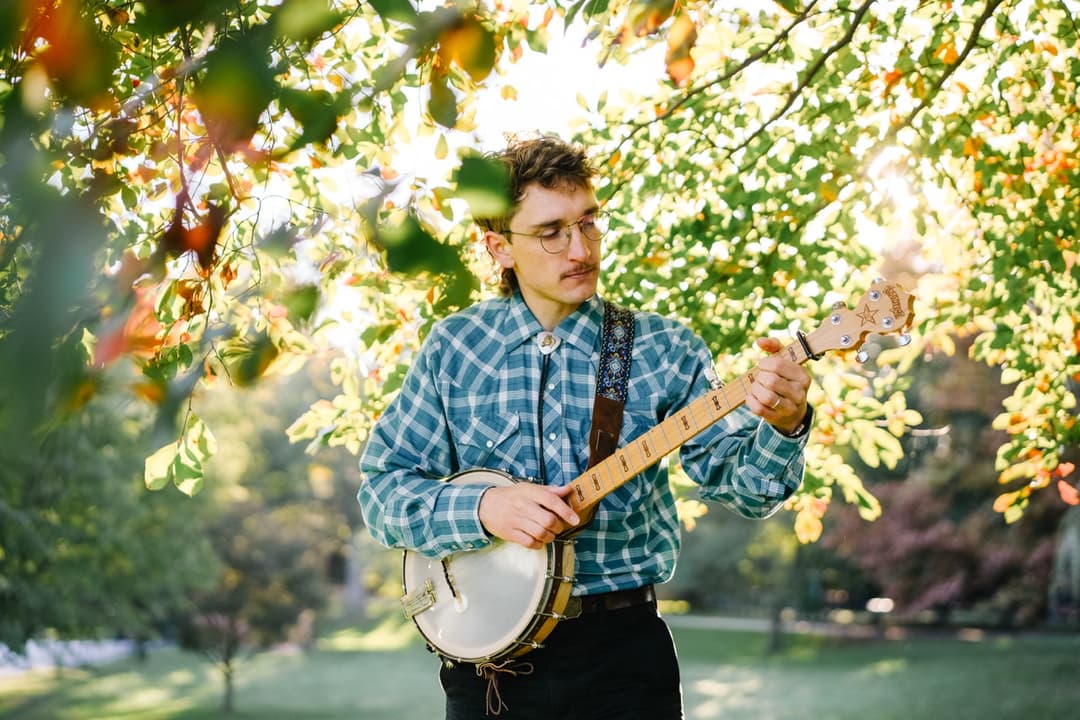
(609, 665)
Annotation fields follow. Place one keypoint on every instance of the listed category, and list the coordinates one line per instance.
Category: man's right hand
(527, 514)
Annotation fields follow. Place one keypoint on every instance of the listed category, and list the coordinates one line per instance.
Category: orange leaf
(471, 46)
(946, 52)
(1065, 469)
(679, 70)
(1068, 493)
(681, 39)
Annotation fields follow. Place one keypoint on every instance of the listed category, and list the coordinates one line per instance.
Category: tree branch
(931, 94)
(808, 77)
(726, 77)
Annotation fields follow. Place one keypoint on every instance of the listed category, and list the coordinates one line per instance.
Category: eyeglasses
(555, 240)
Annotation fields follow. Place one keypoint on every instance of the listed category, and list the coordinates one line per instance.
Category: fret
(607, 466)
(668, 445)
(700, 410)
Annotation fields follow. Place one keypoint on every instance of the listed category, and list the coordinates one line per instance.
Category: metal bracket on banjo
(417, 602)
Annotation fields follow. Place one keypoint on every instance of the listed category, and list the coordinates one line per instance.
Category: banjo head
(478, 605)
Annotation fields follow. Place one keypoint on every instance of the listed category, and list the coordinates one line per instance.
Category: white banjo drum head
(484, 600)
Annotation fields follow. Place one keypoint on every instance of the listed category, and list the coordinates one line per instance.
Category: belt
(607, 602)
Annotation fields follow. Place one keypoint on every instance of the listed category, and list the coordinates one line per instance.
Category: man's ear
(499, 247)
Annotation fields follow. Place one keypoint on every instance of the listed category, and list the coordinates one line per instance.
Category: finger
(556, 503)
(540, 532)
(524, 539)
(769, 344)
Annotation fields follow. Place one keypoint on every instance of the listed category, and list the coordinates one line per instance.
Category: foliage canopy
(217, 190)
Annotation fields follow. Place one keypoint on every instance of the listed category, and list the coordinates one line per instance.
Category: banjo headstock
(885, 309)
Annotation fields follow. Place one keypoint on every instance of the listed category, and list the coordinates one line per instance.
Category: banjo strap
(617, 340)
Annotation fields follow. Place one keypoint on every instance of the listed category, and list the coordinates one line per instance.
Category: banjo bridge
(414, 603)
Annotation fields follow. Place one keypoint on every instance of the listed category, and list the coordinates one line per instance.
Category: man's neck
(549, 314)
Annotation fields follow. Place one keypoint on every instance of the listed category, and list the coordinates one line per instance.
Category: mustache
(580, 268)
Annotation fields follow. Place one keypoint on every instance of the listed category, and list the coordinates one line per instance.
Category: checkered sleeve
(742, 461)
(404, 500)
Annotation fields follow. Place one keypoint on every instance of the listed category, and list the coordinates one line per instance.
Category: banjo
(501, 601)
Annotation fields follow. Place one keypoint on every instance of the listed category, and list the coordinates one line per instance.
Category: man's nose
(578, 246)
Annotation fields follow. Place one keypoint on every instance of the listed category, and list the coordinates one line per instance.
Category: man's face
(553, 284)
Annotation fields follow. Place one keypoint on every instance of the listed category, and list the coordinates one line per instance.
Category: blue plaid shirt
(470, 400)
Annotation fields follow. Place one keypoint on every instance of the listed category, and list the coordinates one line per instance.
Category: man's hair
(545, 160)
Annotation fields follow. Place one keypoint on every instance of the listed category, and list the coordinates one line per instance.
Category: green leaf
(442, 105)
(485, 185)
(305, 19)
(235, 90)
(400, 10)
(181, 461)
(315, 110)
(411, 249)
(301, 302)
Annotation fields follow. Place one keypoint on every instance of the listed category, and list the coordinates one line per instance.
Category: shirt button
(551, 386)
(490, 443)
(552, 436)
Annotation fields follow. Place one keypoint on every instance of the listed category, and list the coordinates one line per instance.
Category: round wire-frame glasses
(556, 239)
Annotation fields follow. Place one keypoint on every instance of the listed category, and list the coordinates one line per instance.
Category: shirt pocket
(488, 441)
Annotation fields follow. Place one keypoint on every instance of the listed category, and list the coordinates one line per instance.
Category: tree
(85, 552)
(200, 188)
(277, 518)
(272, 574)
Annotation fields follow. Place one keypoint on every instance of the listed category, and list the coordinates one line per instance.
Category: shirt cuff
(468, 532)
(802, 429)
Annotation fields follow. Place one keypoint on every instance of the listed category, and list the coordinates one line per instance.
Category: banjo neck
(886, 308)
(653, 445)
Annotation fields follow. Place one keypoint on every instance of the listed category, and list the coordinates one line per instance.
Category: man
(508, 384)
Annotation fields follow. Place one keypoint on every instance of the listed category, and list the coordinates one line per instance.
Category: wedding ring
(776, 404)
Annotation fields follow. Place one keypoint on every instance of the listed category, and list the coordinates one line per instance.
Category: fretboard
(653, 445)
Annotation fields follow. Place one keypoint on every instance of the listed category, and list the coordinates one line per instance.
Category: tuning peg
(904, 339)
(862, 356)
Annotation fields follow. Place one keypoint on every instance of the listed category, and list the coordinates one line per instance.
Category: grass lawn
(383, 673)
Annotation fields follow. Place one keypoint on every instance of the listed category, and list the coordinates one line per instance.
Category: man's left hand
(778, 393)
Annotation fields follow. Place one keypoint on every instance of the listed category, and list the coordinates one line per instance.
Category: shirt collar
(580, 329)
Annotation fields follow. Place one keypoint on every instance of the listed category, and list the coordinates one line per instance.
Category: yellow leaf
(1004, 500)
(808, 527)
(1015, 512)
(156, 469)
(509, 92)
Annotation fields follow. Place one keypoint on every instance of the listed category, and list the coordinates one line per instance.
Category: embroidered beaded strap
(616, 343)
